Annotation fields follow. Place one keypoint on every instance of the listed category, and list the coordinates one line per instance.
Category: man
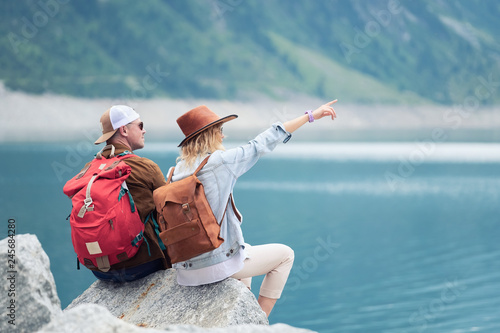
(122, 127)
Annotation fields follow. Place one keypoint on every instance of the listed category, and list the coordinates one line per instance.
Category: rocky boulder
(158, 301)
(153, 304)
(29, 296)
(91, 318)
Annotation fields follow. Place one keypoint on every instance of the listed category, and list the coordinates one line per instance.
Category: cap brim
(105, 137)
(221, 120)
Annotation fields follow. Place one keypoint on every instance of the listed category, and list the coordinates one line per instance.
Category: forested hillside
(378, 51)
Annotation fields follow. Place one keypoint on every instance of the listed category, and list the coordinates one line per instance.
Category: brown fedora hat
(199, 119)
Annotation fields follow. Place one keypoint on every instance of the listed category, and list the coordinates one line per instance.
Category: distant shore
(55, 118)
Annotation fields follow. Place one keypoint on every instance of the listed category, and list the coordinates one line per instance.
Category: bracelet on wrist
(309, 113)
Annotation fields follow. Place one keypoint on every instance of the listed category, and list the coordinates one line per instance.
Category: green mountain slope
(383, 51)
(322, 75)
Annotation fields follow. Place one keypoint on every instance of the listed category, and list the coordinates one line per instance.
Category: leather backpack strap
(225, 210)
(202, 164)
(235, 210)
(238, 216)
(170, 174)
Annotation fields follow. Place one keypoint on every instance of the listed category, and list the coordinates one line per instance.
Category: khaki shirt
(145, 177)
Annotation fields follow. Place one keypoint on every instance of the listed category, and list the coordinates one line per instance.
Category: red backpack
(105, 226)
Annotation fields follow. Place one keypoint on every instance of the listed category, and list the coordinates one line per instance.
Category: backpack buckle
(186, 209)
(85, 208)
(87, 202)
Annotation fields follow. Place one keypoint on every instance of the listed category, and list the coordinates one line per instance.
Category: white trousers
(273, 260)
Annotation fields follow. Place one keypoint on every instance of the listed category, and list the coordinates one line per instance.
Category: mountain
(379, 51)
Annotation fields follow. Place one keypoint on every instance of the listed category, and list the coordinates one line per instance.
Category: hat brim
(105, 137)
(220, 121)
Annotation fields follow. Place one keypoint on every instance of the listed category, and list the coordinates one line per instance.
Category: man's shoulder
(136, 159)
(145, 170)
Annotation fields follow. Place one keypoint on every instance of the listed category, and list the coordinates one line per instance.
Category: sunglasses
(141, 125)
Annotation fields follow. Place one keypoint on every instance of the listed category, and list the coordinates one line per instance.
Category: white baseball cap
(114, 118)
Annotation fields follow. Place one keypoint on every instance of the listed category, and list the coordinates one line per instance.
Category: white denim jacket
(218, 177)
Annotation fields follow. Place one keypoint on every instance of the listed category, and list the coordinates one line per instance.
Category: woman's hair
(202, 144)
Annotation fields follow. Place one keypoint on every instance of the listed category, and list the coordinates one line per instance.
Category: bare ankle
(266, 304)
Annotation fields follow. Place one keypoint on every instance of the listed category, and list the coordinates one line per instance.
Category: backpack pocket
(180, 232)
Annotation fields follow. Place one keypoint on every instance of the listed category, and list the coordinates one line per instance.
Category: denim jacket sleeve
(239, 160)
(222, 170)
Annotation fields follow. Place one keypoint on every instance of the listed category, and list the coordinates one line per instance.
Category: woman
(234, 258)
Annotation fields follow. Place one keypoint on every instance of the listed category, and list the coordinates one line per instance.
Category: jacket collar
(119, 148)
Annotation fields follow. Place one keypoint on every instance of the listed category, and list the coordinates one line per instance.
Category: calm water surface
(387, 237)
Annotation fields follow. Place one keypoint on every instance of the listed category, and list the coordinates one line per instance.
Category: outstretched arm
(323, 111)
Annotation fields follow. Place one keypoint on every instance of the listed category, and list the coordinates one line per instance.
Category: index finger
(332, 102)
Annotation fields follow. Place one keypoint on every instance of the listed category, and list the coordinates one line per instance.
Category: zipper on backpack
(111, 223)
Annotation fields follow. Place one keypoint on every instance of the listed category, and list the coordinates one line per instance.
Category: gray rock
(91, 318)
(29, 291)
(157, 301)
(147, 305)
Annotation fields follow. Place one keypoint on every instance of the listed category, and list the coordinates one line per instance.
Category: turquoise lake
(387, 237)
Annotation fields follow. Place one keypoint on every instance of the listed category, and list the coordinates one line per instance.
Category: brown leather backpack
(188, 226)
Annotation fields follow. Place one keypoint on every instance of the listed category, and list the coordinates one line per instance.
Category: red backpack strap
(88, 199)
(123, 155)
(99, 154)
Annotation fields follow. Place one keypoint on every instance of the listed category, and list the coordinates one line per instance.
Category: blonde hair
(202, 144)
